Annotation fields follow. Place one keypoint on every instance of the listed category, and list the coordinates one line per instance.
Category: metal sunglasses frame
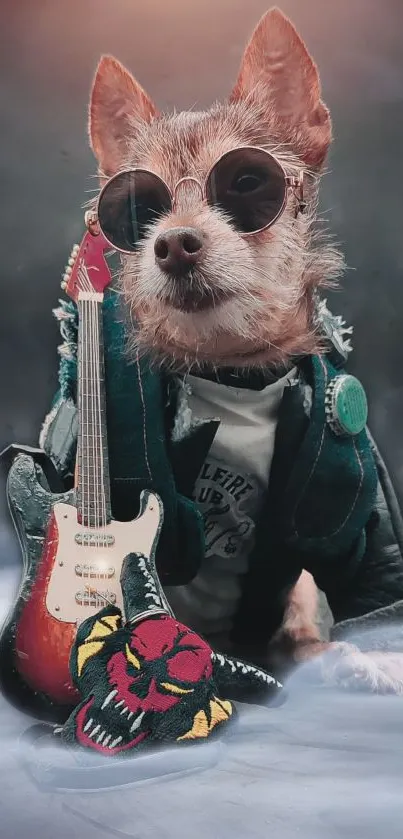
(295, 184)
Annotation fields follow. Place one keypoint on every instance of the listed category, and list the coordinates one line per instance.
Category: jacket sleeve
(58, 436)
(376, 581)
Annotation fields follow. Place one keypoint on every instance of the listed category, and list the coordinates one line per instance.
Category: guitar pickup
(94, 540)
(93, 572)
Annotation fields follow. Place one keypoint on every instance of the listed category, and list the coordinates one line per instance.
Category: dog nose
(178, 250)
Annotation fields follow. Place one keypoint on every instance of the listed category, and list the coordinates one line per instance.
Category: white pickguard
(96, 565)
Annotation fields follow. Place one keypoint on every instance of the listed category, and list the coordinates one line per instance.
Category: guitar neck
(93, 481)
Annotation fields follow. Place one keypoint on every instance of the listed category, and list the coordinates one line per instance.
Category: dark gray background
(324, 765)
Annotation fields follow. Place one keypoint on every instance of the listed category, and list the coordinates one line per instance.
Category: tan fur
(300, 617)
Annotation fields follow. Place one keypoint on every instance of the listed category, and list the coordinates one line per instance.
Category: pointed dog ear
(117, 103)
(279, 75)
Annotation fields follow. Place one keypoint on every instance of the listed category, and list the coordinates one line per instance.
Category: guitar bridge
(95, 599)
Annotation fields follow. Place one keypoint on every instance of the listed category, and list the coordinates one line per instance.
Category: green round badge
(346, 406)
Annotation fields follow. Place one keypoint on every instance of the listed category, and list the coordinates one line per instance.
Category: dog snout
(178, 250)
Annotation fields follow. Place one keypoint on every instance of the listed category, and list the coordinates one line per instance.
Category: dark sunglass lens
(128, 204)
(250, 186)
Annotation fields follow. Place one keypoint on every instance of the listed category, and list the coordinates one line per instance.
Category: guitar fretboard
(93, 484)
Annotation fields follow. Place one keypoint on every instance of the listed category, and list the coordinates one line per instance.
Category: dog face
(199, 290)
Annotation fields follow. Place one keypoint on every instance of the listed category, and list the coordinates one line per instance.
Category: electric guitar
(73, 550)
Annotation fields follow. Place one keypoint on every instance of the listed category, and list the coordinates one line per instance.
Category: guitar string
(89, 459)
(86, 379)
(101, 436)
(94, 507)
(91, 393)
(99, 487)
(94, 440)
(93, 502)
(80, 394)
(83, 465)
(95, 396)
(85, 481)
(102, 406)
(82, 369)
(94, 366)
(84, 416)
(78, 474)
(96, 399)
(84, 456)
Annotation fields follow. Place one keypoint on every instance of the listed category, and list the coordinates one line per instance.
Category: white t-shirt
(229, 492)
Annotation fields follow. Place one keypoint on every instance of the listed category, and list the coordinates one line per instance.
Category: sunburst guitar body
(72, 549)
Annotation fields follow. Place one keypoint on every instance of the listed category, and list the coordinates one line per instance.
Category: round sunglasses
(247, 183)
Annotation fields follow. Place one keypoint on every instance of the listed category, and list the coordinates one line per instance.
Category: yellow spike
(218, 712)
(132, 658)
(99, 630)
(200, 727)
(225, 704)
(90, 646)
(86, 651)
(114, 621)
(174, 688)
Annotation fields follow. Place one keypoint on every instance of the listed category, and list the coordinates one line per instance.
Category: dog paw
(344, 666)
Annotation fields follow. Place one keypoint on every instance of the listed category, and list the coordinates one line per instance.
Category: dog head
(199, 290)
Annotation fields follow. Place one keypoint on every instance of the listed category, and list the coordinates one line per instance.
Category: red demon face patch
(153, 681)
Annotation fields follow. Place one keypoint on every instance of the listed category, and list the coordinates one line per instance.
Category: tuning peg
(69, 267)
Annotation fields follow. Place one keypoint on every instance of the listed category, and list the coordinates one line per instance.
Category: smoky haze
(326, 764)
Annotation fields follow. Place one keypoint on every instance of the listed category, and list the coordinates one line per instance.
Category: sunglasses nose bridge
(185, 186)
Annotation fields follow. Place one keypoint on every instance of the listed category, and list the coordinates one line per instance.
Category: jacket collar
(252, 379)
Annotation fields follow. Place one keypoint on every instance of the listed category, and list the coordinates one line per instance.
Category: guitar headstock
(87, 269)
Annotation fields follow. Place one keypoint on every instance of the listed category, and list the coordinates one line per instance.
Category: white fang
(137, 722)
(108, 699)
(96, 729)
